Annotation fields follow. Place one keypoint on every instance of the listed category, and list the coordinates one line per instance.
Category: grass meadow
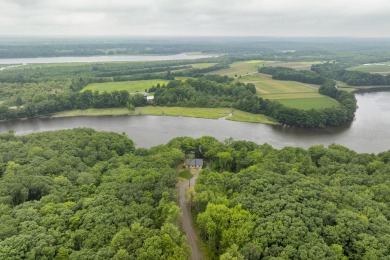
(243, 68)
(130, 86)
(379, 68)
(200, 112)
(309, 103)
(289, 93)
(242, 116)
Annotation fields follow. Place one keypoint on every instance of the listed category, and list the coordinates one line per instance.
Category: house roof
(194, 162)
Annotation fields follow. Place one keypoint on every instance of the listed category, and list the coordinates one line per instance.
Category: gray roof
(194, 162)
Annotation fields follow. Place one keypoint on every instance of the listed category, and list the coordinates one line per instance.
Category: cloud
(200, 17)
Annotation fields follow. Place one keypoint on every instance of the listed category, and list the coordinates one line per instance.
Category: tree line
(283, 73)
(50, 104)
(351, 77)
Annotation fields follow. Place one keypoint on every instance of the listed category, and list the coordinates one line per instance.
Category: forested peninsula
(82, 194)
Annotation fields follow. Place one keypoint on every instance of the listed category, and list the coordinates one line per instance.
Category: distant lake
(369, 132)
(181, 56)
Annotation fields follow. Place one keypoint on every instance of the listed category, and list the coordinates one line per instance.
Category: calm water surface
(370, 131)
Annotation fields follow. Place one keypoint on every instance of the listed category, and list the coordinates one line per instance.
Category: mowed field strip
(289, 93)
(378, 68)
(243, 68)
(130, 86)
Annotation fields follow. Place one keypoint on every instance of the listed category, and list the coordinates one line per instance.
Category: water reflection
(367, 133)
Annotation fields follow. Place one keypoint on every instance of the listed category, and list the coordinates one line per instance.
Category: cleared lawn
(130, 86)
(379, 68)
(242, 116)
(199, 112)
(309, 103)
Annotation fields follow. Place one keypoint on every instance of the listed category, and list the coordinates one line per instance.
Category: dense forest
(257, 202)
(353, 78)
(82, 194)
(282, 73)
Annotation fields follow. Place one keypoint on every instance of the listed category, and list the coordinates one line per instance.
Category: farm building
(194, 163)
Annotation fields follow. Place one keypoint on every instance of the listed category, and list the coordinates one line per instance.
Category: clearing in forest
(289, 93)
(130, 86)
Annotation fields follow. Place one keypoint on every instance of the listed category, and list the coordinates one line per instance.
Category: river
(369, 132)
(181, 56)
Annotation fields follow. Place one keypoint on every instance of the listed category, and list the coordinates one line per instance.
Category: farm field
(379, 68)
(309, 103)
(243, 68)
(289, 93)
(130, 86)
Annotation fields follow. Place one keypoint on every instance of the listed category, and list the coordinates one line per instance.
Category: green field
(243, 68)
(289, 93)
(379, 68)
(265, 85)
(242, 116)
(309, 103)
(130, 86)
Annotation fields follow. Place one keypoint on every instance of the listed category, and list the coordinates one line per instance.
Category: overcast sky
(196, 17)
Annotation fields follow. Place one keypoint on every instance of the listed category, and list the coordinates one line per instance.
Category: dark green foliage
(82, 194)
(320, 203)
(354, 78)
(282, 73)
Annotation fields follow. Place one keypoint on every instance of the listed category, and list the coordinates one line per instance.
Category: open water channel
(369, 132)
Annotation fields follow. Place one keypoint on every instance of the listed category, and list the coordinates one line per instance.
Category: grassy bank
(200, 112)
(95, 112)
(242, 116)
